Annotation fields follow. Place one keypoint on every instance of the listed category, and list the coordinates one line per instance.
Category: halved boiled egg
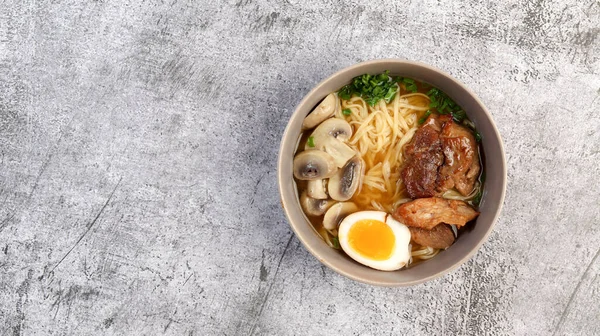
(375, 239)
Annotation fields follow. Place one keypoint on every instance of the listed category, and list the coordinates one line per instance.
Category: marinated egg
(375, 239)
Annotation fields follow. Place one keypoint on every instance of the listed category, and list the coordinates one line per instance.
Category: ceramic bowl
(467, 243)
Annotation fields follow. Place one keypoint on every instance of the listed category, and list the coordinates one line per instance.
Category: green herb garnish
(459, 115)
(477, 198)
(425, 116)
(443, 103)
(345, 92)
(409, 84)
(372, 88)
(336, 242)
(477, 135)
(311, 141)
(346, 112)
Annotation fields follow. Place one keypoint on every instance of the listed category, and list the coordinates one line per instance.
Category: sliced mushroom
(340, 152)
(331, 128)
(316, 189)
(348, 180)
(313, 206)
(335, 214)
(326, 109)
(330, 135)
(314, 165)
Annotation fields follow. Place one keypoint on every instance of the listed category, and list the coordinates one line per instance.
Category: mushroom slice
(330, 135)
(316, 189)
(348, 180)
(313, 165)
(313, 206)
(340, 152)
(337, 213)
(326, 109)
(331, 128)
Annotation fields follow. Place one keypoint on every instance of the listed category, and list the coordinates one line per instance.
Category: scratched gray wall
(138, 145)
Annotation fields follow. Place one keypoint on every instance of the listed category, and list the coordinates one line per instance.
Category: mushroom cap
(337, 212)
(348, 180)
(340, 152)
(316, 189)
(330, 136)
(326, 109)
(313, 165)
(313, 206)
(332, 128)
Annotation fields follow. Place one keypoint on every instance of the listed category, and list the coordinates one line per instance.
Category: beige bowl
(469, 241)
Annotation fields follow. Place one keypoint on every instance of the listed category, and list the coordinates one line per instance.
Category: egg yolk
(372, 238)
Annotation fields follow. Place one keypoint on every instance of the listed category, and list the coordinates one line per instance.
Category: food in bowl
(389, 170)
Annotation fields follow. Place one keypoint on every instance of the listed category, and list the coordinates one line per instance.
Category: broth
(419, 253)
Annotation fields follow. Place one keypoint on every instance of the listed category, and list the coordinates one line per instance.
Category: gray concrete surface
(138, 146)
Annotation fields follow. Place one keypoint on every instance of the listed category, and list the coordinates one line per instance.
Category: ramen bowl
(469, 240)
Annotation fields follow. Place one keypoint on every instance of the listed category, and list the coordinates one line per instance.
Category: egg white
(401, 253)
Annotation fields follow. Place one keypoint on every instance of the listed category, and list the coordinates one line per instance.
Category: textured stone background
(138, 147)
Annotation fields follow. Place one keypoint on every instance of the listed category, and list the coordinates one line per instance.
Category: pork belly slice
(426, 213)
(424, 157)
(440, 237)
(461, 159)
(441, 156)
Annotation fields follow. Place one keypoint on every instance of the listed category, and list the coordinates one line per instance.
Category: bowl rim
(302, 237)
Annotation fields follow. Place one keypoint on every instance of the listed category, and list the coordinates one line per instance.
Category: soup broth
(380, 135)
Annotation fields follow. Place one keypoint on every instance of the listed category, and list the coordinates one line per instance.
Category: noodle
(380, 134)
(423, 252)
(455, 195)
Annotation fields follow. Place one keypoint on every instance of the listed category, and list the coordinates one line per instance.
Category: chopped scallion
(372, 88)
(336, 242)
(425, 116)
(477, 198)
(459, 115)
(445, 105)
